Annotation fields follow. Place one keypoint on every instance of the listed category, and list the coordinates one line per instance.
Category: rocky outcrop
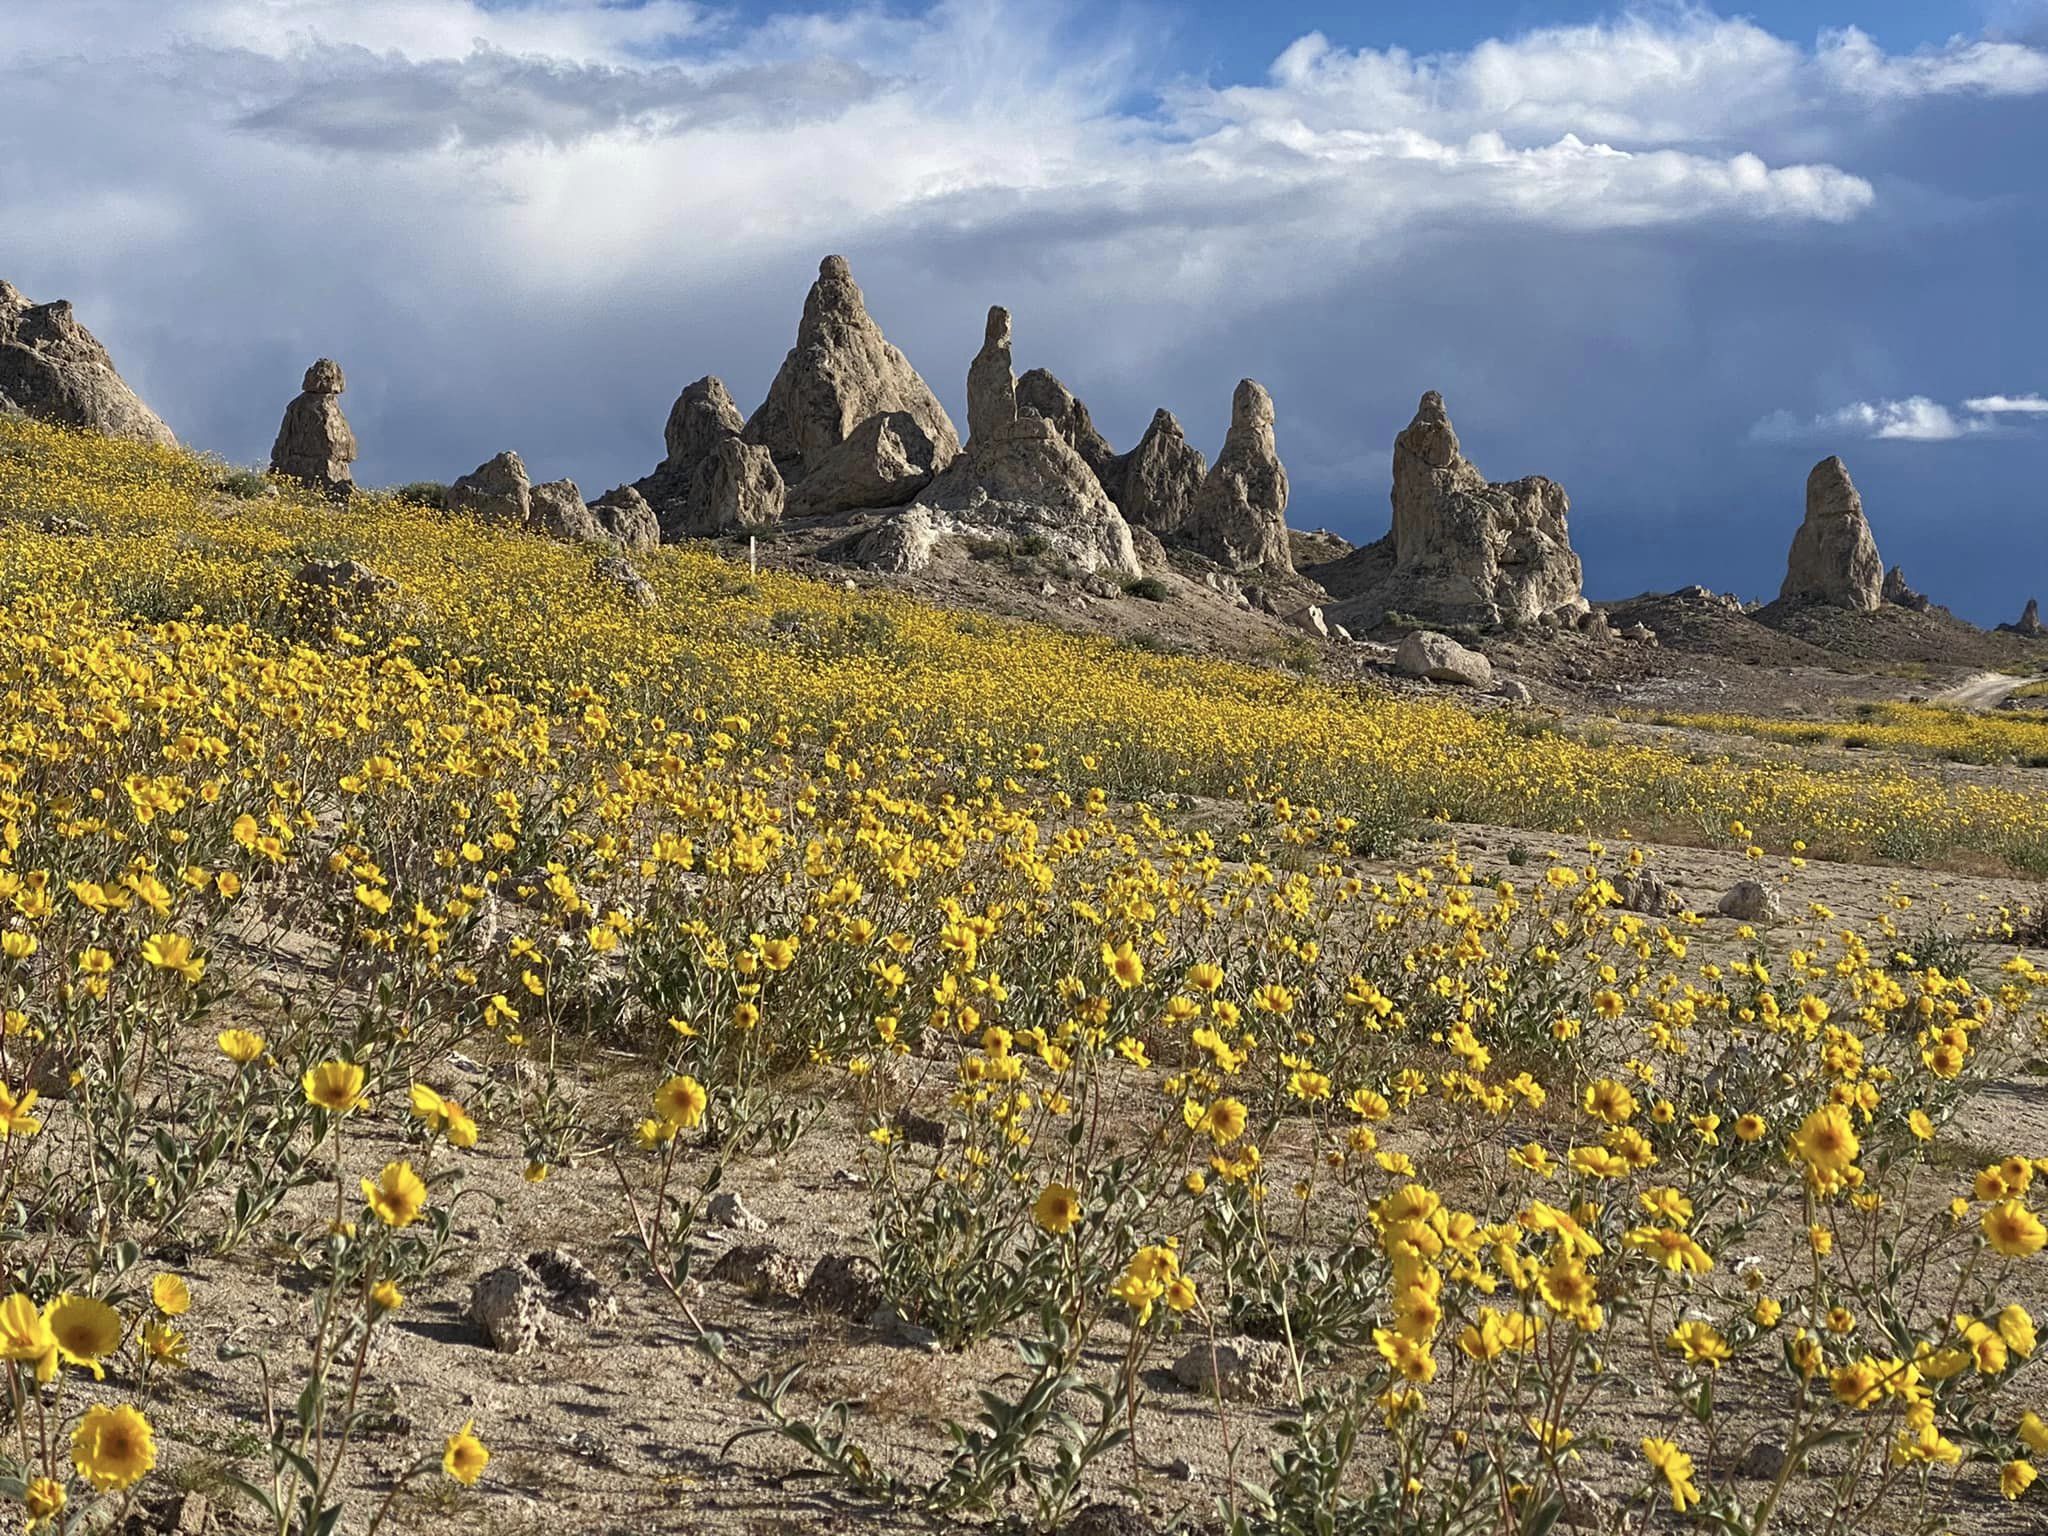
(1834, 559)
(702, 417)
(1039, 391)
(1021, 480)
(901, 545)
(1897, 593)
(840, 372)
(556, 511)
(314, 444)
(1466, 549)
(2029, 623)
(1440, 659)
(735, 487)
(497, 491)
(1239, 516)
(52, 368)
(991, 385)
(624, 516)
(887, 461)
(1155, 484)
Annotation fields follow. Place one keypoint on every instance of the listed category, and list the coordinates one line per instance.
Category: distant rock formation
(702, 416)
(1470, 549)
(314, 444)
(624, 516)
(1155, 484)
(1038, 390)
(1018, 479)
(53, 369)
(991, 382)
(2029, 623)
(498, 491)
(840, 372)
(1900, 595)
(1239, 516)
(711, 480)
(1834, 559)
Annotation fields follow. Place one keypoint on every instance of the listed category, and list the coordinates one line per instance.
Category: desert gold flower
(336, 1086)
(464, 1456)
(113, 1447)
(397, 1196)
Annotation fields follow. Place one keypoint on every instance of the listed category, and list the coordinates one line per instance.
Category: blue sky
(1669, 255)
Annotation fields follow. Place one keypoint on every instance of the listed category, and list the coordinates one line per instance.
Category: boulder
(52, 368)
(496, 491)
(1514, 690)
(885, 463)
(1834, 559)
(314, 444)
(1897, 593)
(526, 1302)
(1155, 484)
(624, 516)
(735, 487)
(1038, 390)
(1239, 516)
(991, 385)
(618, 573)
(2029, 623)
(1310, 620)
(702, 417)
(556, 511)
(840, 372)
(902, 545)
(1467, 550)
(1643, 892)
(1440, 659)
(847, 1284)
(1236, 1370)
(763, 1271)
(1751, 901)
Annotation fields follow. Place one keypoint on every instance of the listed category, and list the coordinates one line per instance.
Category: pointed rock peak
(2031, 619)
(703, 413)
(991, 385)
(1165, 424)
(1430, 437)
(1239, 516)
(1250, 406)
(1830, 492)
(840, 372)
(1834, 559)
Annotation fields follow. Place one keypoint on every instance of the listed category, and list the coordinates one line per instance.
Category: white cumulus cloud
(2008, 405)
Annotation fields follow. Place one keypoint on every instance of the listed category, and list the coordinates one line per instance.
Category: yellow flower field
(1085, 967)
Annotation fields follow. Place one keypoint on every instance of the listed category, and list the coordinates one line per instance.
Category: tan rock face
(52, 368)
(1023, 481)
(1156, 483)
(1039, 391)
(498, 491)
(1469, 550)
(840, 372)
(736, 487)
(1239, 516)
(887, 461)
(1834, 559)
(314, 444)
(625, 517)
